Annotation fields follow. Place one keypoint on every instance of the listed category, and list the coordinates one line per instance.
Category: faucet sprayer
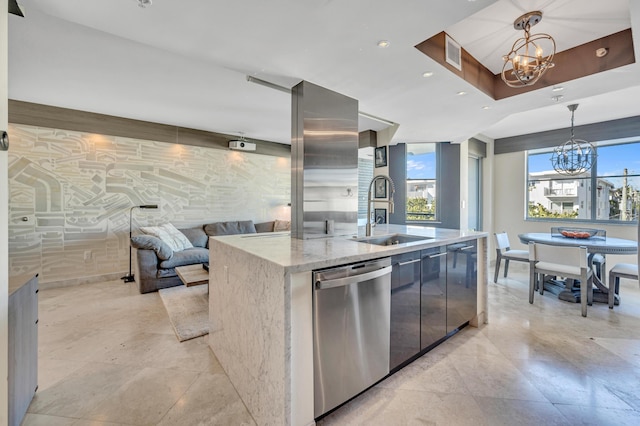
(369, 200)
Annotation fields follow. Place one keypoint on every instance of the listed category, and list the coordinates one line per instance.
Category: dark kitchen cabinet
(405, 308)
(462, 260)
(433, 296)
(433, 293)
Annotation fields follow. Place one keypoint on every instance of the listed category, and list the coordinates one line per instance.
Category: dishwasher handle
(354, 279)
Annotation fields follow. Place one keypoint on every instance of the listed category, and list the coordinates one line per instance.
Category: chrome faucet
(369, 200)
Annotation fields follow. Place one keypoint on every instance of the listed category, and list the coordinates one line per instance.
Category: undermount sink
(394, 239)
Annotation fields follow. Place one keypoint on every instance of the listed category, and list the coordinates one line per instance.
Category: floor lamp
(130, 277)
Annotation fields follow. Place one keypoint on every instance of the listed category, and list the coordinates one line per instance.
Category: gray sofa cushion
(186, 257)
(197, 236)
(149, 242)
(265, 226)
(167, 273)
(230, 228)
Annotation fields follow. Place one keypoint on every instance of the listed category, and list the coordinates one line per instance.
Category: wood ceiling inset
(570, 64)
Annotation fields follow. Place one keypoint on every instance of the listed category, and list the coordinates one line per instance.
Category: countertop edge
(332, 251)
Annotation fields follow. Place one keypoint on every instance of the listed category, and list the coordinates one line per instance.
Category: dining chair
(623, 270)
(566, 262)
(598, 261)
(503, 251)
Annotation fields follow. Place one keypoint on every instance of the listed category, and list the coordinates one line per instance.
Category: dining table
(596, 244)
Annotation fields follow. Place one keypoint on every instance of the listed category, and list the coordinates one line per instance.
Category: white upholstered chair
(598, 261)
(623, 270)
(567, 262)
(503, 251)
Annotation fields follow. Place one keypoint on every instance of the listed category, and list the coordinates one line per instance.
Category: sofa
(155, 259)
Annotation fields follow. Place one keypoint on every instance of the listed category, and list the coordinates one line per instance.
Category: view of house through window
(421, 182)
(610, 191)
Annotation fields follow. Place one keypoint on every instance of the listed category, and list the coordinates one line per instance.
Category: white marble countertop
(297, 255)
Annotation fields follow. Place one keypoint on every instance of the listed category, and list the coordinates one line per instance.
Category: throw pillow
(178, 236)
(149, 242)
(282, 225)
(169, 235)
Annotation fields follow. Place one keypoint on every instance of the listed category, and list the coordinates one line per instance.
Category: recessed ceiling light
(427, 73)
(557, 98)
(383, 43)
(557, 89)
(461, 93)
(486, 107)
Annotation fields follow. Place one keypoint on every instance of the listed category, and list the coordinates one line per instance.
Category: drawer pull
(433, 256)
(408, 262)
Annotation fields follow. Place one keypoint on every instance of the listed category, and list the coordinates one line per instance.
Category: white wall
(4, 201)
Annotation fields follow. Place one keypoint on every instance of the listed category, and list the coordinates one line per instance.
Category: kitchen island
(260, 309)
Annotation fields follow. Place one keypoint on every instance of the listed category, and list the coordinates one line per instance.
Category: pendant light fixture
(575, 156)
(526, 62)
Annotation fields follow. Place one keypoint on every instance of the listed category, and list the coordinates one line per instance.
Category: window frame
(593, 179)
(437, 211)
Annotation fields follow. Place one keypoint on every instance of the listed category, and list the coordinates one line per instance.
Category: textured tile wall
(70, 195)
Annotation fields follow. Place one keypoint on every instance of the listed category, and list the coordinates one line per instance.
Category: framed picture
(381, 156)
(380, 215)
(380, 189)
(452, 53)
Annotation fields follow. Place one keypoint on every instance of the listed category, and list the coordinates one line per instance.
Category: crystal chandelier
(574, 156)
(526, 63)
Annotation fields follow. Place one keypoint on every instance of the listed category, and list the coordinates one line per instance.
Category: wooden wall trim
(570, 64)
(33, 114)
(472, 72)
(578, 62)
(606, 130)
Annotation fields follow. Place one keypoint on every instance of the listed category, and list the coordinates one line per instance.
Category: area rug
(188, 309)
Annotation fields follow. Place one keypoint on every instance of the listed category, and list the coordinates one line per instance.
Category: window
(421, 182)
(610, 191)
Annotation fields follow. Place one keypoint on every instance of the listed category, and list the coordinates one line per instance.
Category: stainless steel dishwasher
(351, 316)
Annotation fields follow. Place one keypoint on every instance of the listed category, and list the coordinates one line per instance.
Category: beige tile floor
(108, 356)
